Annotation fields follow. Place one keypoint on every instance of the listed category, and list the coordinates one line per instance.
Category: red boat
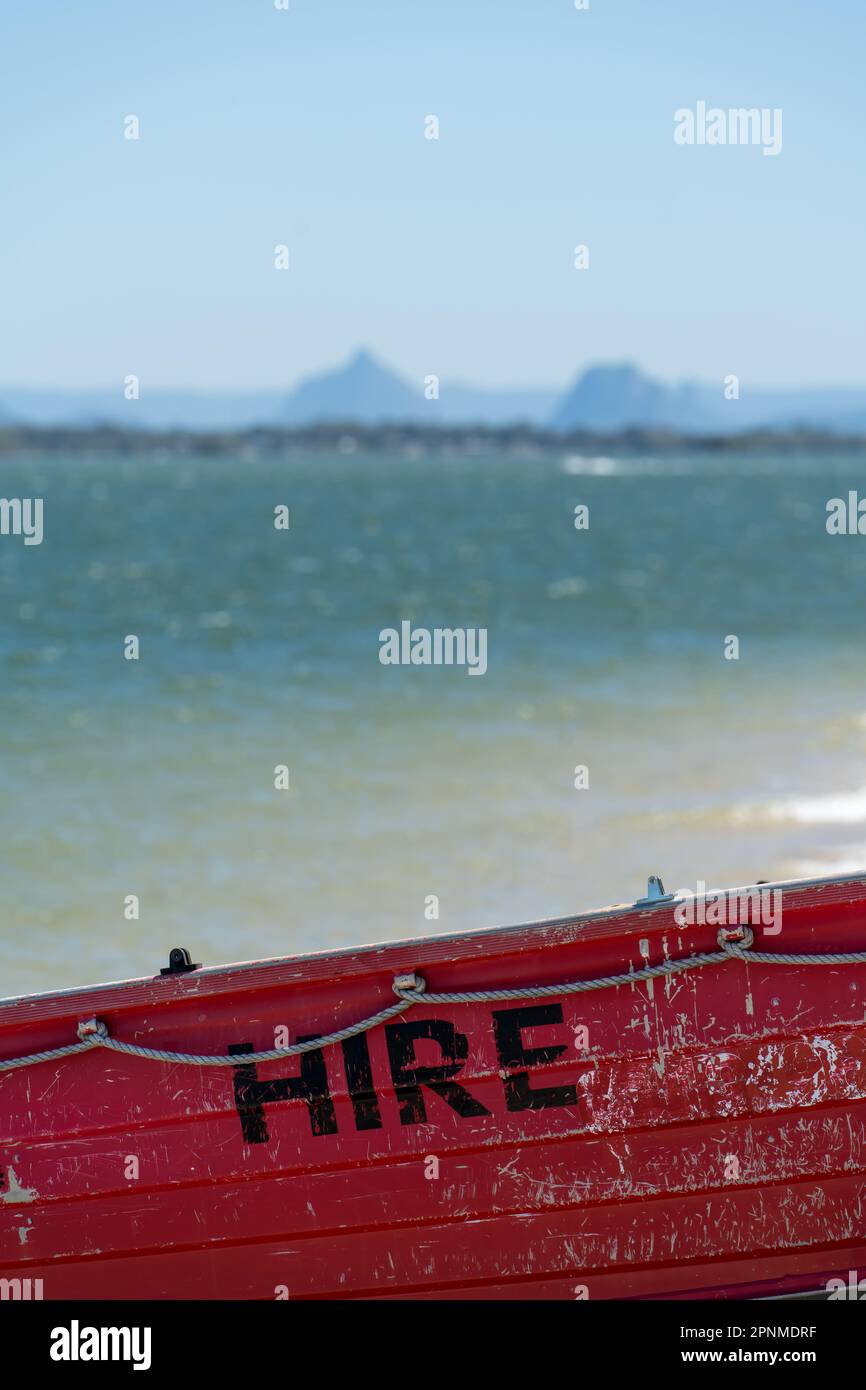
(624, 1107)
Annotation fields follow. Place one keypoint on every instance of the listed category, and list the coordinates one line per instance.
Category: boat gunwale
(624, 919)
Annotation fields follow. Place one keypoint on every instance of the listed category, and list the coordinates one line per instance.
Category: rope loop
(92, 1030)
(737, 938)
(405, 986)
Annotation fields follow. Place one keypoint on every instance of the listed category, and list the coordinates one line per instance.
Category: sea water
(415, 800)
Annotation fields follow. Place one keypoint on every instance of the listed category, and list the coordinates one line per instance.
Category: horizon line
(268, 388)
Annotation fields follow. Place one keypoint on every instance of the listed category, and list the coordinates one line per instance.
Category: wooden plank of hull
(603, 1249)
(481, 1184)
(706, 1132)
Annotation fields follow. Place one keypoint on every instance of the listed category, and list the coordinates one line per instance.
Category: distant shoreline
(351, 438)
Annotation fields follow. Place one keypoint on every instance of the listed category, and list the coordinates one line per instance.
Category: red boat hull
(703, 1135)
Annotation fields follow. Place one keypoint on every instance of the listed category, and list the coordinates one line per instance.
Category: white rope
(10, 1063)
(412, 989)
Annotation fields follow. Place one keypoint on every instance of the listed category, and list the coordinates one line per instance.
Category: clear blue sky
(260, 126)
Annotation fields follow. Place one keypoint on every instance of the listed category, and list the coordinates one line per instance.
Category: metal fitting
(409, 984)
(742, 937)
(92, 1028)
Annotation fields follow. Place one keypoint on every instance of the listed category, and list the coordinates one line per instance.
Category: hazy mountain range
(605, 398)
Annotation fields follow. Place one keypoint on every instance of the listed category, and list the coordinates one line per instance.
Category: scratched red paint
(709, 1140)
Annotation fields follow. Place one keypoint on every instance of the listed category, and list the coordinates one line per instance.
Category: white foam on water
(597, 467)
(847, 859)
(567, 588)
(833, 808)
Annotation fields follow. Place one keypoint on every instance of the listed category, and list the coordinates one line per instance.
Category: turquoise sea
(260, 647)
